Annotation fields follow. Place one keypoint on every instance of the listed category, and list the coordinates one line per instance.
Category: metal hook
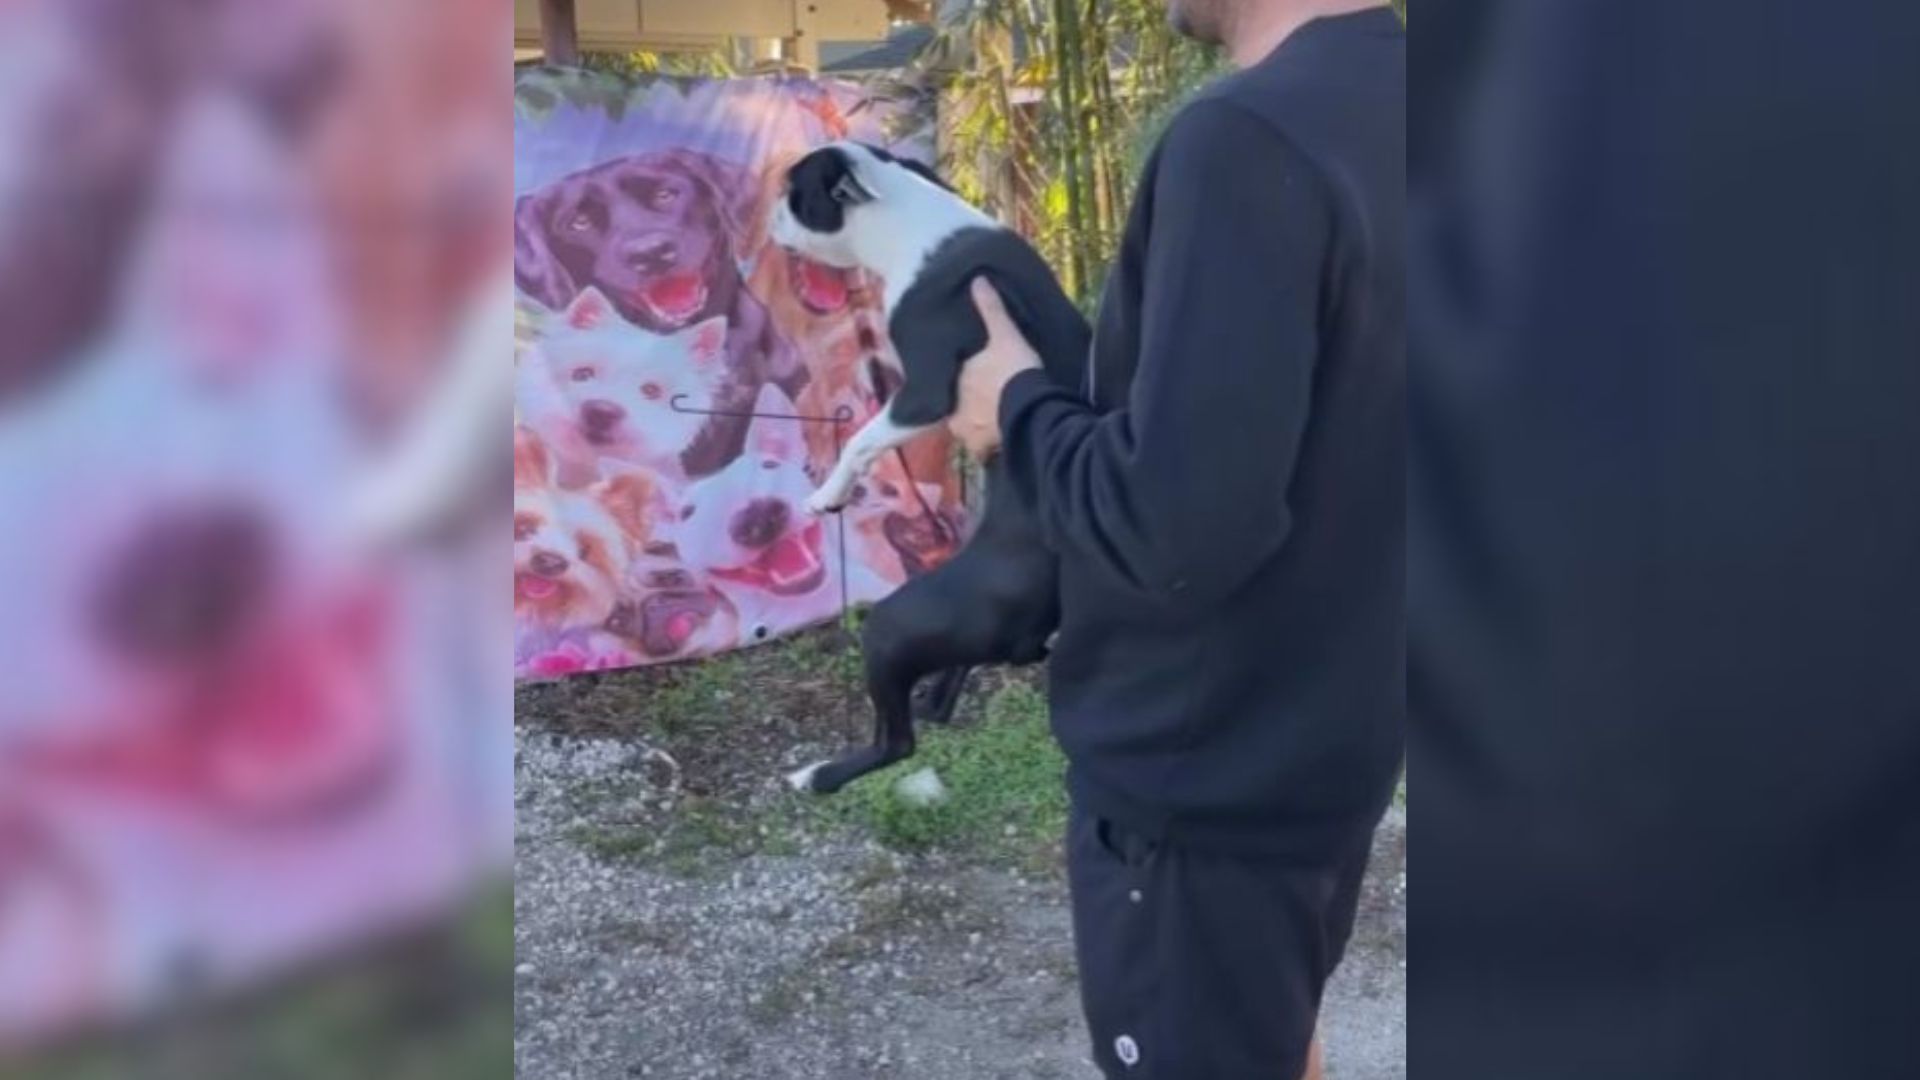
(841, 417)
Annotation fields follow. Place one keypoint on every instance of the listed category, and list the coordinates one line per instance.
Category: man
(1229, 509)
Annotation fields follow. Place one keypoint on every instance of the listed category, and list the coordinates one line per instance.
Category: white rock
(923, 788)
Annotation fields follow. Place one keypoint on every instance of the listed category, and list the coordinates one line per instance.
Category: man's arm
(1182, 494)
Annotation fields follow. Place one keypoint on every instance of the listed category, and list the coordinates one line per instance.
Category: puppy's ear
(850, 190)
(536, 269)
(729, 186)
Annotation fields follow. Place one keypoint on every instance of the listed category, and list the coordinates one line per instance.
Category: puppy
(996, 601)
(833, 317)
(597, 387)
(658, 235)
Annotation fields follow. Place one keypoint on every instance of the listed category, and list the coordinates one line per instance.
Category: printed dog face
(566, 558)
(830, 211)
(655, 233)
(571, 549)
(598, 387)
(842, 387)
(804, 296)
(667, 612)
(897, 523)
(747, 525)
(832, 316)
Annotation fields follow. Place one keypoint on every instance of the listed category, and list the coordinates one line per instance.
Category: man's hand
(976, 422)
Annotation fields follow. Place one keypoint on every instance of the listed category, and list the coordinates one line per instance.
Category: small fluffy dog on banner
(571, 549)
(996, 601)
(596, 387)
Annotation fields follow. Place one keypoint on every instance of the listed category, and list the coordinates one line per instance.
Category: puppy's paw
(827, 500)
(802, 779)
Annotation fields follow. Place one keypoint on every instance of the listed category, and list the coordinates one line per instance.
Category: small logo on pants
(1128, 1050)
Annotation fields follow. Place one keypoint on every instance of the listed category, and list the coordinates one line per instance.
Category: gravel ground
(821, 955)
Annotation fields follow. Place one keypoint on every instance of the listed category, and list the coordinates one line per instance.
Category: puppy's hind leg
(937, 697)
(876, 437)
(892, 670)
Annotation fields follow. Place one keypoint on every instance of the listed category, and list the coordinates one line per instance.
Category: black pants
(1200, 966)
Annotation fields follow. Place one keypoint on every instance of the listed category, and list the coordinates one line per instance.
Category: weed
(613, 842)
(697, 697)
(783, 999)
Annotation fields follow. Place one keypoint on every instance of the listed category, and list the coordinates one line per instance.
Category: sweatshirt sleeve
(1181, 494)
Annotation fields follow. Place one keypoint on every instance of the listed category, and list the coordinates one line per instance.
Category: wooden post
(559, 36)
(804, 51)
(766, 54)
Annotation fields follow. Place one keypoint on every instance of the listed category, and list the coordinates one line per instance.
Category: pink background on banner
(653, 522)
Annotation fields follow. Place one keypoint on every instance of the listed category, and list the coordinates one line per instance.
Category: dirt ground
(680, 915)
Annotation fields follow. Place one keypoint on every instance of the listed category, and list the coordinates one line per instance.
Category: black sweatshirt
(1665, 542)
(1230, 670)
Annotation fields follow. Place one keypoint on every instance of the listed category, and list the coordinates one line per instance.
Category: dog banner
(683, 384)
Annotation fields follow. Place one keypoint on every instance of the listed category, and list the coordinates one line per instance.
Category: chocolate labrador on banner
(657, 233)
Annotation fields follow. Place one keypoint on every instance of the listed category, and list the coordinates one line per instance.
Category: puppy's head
(807, 298)
(839, 200)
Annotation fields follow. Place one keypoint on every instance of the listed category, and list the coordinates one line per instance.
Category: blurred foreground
(238, 239)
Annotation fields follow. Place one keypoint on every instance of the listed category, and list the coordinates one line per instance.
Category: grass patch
(832, 655)
(1006, 796)
(697, 697)
(731, 721)
(700, 837)
(614, 843)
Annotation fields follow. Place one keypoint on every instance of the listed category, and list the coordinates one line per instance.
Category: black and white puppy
(997, 601)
